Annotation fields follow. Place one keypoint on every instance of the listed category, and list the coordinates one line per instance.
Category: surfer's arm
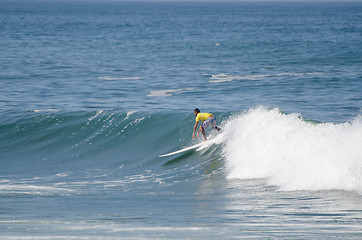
(195, 127)
(197, 134)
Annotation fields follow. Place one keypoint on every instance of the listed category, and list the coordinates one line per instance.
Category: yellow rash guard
(202, 116)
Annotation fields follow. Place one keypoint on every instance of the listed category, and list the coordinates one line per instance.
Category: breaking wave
(293, 153)
(261, 143)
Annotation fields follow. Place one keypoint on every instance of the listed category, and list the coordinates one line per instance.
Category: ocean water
(91, 93)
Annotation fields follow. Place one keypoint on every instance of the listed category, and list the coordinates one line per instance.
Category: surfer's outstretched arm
(195, 127)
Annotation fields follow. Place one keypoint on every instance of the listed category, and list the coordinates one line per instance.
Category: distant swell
(292, 153)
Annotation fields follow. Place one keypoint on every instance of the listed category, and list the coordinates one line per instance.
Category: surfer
(207, 119)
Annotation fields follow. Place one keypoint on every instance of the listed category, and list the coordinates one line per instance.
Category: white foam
(167, 92)
(62, 174)
(118, 78)
(31, 189)
(129, 114)
(294, 154)
(224, 77)
(99, 112)
(46, 110)
(212, 139)
(161, 93)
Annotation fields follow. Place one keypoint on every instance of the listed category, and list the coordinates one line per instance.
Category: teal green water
(92, 93)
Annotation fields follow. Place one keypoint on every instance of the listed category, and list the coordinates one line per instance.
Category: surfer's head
(196, 111)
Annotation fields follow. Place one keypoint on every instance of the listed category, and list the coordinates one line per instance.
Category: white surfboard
(183, 150)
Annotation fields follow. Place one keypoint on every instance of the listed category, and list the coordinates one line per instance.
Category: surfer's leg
(213, 124)
(203, 133)
(216, 128)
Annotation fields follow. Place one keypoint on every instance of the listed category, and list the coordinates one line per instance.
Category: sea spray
(292, 153)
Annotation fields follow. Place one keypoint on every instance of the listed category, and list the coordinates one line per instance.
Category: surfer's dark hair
(197, 110)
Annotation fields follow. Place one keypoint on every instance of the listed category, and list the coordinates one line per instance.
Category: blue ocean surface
(91, 93)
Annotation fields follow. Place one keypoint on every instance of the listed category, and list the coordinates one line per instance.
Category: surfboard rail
(183, 150)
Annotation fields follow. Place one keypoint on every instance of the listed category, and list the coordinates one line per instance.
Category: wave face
(292, 153)
(56, 141)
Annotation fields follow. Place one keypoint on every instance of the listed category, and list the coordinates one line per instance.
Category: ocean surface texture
(91, 93)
